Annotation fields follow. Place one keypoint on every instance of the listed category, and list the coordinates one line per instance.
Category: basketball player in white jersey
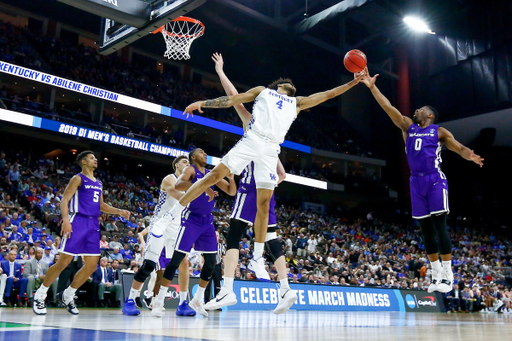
(160, 236)
(244, 209)
(275, 108)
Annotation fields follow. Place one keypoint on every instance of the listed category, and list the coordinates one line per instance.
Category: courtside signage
(88, 90)
(254, 295)
(91, 134)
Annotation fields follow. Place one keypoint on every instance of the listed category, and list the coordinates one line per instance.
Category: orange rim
(191, 20)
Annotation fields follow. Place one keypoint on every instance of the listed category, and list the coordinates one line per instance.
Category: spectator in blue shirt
(15, 219)
(132, 223)
(116, 255)
(131, 238)
(127, 253)
(15, 235)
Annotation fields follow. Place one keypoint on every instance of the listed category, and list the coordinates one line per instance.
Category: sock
(177, 209)
(228, 283)
(68, 294)
(183, 296)
(284, 283)
(161, 296)
(133, 294)
(200, 294)
(258, 250)
(447, 266)
(436, 265)
(43, 289)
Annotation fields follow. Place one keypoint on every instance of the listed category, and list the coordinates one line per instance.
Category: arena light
(417, 25)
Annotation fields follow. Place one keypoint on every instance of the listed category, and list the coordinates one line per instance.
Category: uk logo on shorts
(273, 177)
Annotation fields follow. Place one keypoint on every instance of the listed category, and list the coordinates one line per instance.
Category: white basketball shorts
(162, 233)
(262, 152)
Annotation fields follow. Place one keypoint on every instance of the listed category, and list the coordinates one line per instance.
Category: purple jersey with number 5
(86, 200)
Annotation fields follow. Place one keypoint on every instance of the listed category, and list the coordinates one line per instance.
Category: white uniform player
(274, 111)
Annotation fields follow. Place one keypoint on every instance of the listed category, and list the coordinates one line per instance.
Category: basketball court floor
(109, 324)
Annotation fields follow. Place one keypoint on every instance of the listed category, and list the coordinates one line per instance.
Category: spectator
(115, 243)
(47, 257)
(127, 253)
(12, 276)
(116, 255)
(14, 235)
(312, 243)
(103, 279)
(7, 203)
(34, 271)
(104, 243)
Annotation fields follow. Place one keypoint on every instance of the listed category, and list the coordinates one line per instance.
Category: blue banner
(254, 295)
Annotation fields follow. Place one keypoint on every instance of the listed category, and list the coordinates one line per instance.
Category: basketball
(355, 61)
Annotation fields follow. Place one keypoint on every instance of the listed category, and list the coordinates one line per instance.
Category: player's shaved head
(434, 112)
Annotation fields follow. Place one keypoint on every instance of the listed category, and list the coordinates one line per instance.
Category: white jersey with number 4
(272, 115)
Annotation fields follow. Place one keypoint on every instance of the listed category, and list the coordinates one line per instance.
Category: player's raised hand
(359, 76)
(66, 229)
(194, 106)
(477, 159)
(125, 214)
(219, 62)
(367, 80)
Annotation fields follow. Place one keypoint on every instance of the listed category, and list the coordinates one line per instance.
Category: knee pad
(145, 270)
(275, 247)
(170, 269)
(236, 231)
(209, 265)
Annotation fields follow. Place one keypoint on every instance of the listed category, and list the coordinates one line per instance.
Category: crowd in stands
(59, 57)
(319, 248)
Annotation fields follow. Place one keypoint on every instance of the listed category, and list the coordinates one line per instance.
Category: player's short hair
(434, 111)
(275, 83)
(178, 159)
(82, 156)
(192, 154)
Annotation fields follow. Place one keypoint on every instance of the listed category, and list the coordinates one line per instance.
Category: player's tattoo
(221, 102)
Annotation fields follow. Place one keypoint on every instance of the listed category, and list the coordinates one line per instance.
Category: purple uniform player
(429, 188)
(196, 230)
(84, 211)
(81, 206)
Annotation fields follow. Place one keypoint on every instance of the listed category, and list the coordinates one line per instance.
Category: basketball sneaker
(198, 307)
(446, 284)
(257, 266)
(39, 306)
(184, 310)
(129, 308)
(147, 302)
(436, 280)
(224, 298)
(158, 310)
(287, 297)
(70, 306)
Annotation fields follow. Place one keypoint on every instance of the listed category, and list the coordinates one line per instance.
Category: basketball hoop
(179, 35)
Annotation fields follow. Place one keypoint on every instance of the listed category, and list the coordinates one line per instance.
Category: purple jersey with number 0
(429, 188)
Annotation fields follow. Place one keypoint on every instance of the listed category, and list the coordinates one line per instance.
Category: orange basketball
(355, 61)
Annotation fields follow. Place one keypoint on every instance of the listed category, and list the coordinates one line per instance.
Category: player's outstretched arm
(69, 192)
(451, 143)
(230, 89)
(225, 101)
(228, 187)
(320, 97)
(401, 121)
(105, 208)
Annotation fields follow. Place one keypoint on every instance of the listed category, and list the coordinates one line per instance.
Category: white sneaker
(198, 307)
(158, 310)
(436, 280)
(224, 298)
(446, 284)
(287, 297)
(258, 268)
(3, 304)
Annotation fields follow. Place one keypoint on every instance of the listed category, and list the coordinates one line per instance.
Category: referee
(217, 271)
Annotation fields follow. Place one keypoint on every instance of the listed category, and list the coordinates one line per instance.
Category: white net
(179, 35)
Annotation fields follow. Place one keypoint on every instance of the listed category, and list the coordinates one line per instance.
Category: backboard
(115, 35)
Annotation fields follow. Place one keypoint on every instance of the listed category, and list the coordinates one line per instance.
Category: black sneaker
(138, 302)
(71, 307)
(147, 302)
